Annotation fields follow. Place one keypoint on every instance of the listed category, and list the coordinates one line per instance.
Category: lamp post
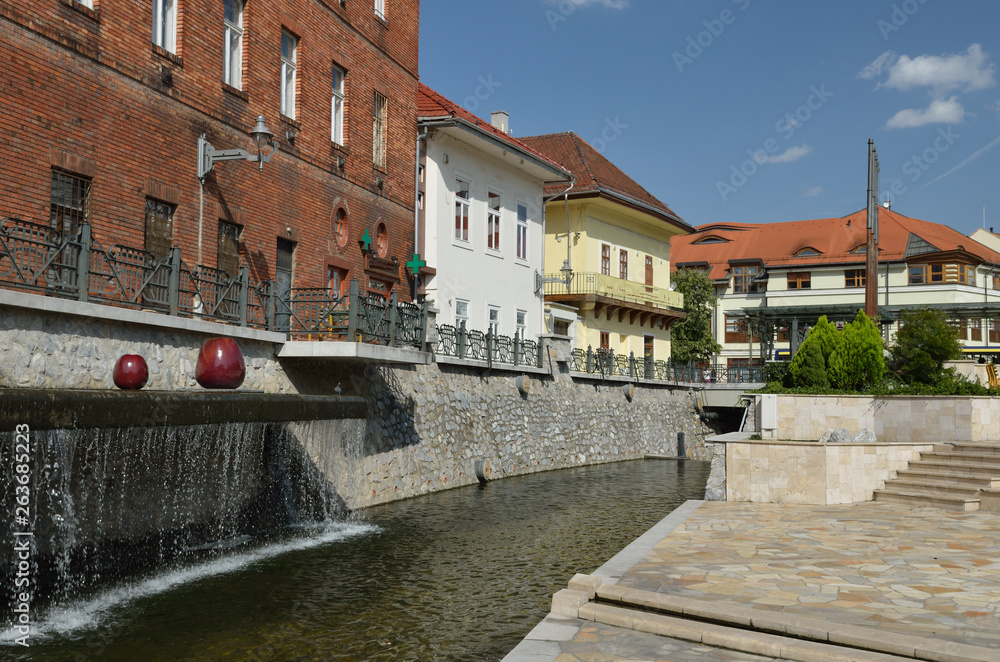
(208, 156)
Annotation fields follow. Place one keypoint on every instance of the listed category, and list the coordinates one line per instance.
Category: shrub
(808, 369)
(922, 345)
(857, 361)
(776, 371)
(824, 337)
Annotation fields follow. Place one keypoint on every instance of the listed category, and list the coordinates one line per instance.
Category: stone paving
(914, 571)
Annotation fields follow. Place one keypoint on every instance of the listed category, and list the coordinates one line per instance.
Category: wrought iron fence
(39, 258)
(607, 363)
(492, 348)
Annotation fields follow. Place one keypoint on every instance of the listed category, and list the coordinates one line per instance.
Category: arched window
(381, 240)
(340, 228)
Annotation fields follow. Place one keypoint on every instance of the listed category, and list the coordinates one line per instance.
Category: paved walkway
(924, 573)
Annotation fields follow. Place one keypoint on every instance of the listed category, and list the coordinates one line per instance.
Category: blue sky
(746, 110)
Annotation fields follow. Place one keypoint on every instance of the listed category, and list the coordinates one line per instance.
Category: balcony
(608, 296)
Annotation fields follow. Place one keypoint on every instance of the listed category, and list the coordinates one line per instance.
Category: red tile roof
(776, 244)
(432, 105)
(594, 173)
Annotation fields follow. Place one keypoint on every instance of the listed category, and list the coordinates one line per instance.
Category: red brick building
(104, 102)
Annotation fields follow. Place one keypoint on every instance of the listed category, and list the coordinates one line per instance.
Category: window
(743, 282)
(337, 107)
(289, 47)
(996, 281)
(522, 231)
(922, 274)
(493, 320)
(461, 209)
(380, 9)
(994, 331)
(522, 323)
(736, 330)
(381, 240)
(380, 109)
(337, 281)
(854, 278)
(70, 201)
(340, 230)
(159, 228)
(605, 260)
(649, 270)
(959, 327)
(605, 340)
(799, 280)
(807, 252)
(623, 264)
(860, 250)
(228, 256)
(711, 239)
(461, 313)
(233, 37)
(165, 24)
(976, 330)
(493, 220)
(560, 327)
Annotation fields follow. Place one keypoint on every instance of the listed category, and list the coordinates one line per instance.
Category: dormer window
(743, 280)
(860, 250)
(807, 252)
(711, 239)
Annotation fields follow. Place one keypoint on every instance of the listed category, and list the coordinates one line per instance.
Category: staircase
(950, 476)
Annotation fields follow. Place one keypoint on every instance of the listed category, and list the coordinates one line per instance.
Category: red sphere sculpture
(131, 372)
(220, 364)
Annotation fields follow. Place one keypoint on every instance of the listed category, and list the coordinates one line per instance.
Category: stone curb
(765, 624)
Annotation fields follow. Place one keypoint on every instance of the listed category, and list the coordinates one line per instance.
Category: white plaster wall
(468, 270)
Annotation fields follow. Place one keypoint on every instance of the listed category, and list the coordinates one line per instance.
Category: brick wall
(84, 90)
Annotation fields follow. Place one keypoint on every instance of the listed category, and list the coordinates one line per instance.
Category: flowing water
(460, 575)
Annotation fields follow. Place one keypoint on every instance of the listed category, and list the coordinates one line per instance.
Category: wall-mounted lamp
(576, 235)
(208, 155)
(290, 135)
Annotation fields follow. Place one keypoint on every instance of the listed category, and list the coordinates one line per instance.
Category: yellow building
(607, 267)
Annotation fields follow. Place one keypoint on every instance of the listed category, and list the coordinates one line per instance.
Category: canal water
(460, 575)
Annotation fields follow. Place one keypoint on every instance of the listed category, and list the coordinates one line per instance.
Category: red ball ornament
(220, 364)
(131, 372)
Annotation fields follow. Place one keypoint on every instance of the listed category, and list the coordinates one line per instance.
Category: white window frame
(380, 9)
(380, 127)
(232, 73)
(522, 231)
(461, 312)
(337, 104)
(465, 205)
(522, 324)
(289, 59)
(89, 4)
(165, 24)
(493, 319)
(493, 218)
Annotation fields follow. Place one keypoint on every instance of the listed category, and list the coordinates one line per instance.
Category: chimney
(500, 119)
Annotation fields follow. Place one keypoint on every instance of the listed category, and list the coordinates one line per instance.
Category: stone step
(921, 485)
(963, 481)
(922, 499)
(962, 447)
(973, 459)
(944, 466)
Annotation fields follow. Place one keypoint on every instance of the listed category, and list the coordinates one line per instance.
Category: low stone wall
(813, 473)
(933, 419)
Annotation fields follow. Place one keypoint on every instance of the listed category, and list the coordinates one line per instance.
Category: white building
(483, 211)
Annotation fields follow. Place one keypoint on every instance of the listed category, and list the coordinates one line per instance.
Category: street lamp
(208, 155)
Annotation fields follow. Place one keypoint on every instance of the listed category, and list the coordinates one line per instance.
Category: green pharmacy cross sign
(416, 263)
(366, 241)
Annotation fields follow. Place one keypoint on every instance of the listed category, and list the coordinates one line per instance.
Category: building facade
(483, 220)
(107, 101)
(607, 255)
(774, 280)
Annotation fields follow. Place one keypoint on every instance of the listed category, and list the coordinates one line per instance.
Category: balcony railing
(607, 363)
(464, 344)
(610, 287)
(38, 258)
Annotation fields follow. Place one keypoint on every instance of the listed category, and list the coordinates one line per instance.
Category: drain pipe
(416, 207)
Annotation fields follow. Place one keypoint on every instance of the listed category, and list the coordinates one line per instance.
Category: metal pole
(871, 258)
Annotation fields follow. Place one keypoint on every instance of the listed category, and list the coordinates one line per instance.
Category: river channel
(460, 575)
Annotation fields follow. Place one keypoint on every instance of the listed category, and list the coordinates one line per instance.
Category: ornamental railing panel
(607, 363)
(462, 343)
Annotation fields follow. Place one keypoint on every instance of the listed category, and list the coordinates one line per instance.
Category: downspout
(416, 208)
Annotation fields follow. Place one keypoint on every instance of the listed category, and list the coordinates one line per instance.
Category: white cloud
(788, 156)
(970, 70)
(941, 111)
(813, 191)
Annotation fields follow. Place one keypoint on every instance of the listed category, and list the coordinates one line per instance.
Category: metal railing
(464, 344)
(38, 258)
(607, 363)
(619, 289)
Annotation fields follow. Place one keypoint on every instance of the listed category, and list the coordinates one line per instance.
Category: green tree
(691, 338)
(824, 336)
(808, 367)
(857, 361)
(922, 345)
